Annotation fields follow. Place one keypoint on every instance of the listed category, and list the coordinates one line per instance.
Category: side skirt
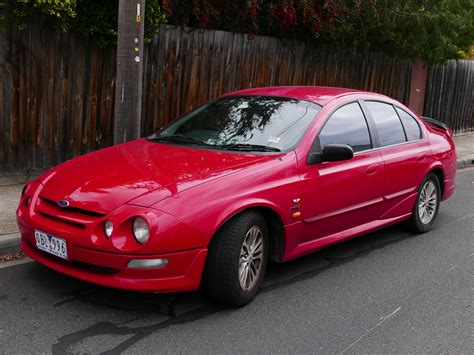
(311, 246)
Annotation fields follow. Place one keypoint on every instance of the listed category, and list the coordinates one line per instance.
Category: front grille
(72, 216)
(71, 209)
(50, 216)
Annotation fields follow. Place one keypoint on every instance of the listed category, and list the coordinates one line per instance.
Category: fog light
(147, 263)
(108, 228)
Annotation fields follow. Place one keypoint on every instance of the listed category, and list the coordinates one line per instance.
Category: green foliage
(94, 19)
(434, 30)
(97, 20)
(56, 13)
(154, 16)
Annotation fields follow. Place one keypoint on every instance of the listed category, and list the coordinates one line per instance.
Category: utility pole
(129, 78)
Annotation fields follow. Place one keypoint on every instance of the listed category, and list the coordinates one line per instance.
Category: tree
(92, 19)
(434, 30)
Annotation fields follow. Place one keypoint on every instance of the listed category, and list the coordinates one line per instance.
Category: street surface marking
(382, 320)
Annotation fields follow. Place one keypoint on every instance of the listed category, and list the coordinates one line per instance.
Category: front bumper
(104, 261)
(182, 273)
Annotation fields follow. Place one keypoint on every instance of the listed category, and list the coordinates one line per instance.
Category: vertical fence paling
(56, 97)
(185, 67)
(57, 90)
(450, 95)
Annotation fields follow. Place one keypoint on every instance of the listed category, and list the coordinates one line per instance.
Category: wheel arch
(439, 172)
(274, 223)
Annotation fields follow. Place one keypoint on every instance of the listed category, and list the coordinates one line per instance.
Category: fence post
(128, 85)
(419, 75)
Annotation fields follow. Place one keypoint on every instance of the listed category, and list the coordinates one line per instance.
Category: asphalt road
(386, 292)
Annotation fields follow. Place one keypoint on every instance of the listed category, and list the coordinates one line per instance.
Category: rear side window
(412, 129)
(347, 125)
(387, 123)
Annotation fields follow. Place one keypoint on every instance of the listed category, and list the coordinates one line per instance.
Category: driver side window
(347, 125)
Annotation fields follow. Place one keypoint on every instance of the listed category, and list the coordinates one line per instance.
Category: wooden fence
(185, 67)
(450, 94)
(56, 98)
(57, 91)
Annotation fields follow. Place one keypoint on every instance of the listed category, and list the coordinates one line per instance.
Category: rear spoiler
(438, 126)
(434, 122)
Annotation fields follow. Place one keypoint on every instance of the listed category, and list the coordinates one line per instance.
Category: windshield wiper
(234, 146)
(248, 147)
(178, 138)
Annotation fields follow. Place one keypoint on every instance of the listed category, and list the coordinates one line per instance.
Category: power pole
(129, 79)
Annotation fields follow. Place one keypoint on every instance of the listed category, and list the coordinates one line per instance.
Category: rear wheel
(426, 206)
(237, 260)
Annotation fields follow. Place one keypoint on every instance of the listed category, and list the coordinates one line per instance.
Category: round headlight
(141, 230)
(108, 228)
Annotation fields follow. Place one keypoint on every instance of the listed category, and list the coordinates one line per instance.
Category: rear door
(405, 153)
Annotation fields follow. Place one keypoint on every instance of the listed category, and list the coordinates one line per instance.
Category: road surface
(386, 292)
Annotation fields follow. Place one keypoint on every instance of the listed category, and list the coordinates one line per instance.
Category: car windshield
(246, 123)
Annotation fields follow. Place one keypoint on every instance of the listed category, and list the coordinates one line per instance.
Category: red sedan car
(270, 173)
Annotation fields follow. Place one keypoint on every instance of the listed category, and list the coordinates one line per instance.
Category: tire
(422, 220)
(226, 258)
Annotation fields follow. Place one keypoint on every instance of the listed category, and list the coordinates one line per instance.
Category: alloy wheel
(428, 202)
(251, 258)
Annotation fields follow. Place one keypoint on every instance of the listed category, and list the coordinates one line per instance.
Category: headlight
(108, 228)
(141, 230)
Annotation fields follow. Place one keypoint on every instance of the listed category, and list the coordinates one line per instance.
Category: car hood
(139, 172)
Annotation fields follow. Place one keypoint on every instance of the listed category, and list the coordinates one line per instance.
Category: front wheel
(426, 206)
(237, 260)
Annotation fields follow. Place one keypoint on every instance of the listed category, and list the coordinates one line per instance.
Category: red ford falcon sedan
(260, 174)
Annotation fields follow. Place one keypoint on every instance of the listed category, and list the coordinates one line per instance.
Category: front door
(338, 196)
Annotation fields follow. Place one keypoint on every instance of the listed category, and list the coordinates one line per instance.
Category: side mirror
(331, 152)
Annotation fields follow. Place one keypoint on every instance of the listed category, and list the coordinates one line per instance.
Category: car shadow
(147, 313)
(278, 275)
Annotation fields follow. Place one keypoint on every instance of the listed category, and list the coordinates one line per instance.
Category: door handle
(371, 169)
(421, 157)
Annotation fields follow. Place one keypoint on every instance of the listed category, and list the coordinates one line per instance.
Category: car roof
(318, 94)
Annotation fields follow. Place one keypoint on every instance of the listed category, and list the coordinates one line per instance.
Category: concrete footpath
(11, 184)
(465, 150)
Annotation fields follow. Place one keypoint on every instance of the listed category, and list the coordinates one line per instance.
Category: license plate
(51, 244)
